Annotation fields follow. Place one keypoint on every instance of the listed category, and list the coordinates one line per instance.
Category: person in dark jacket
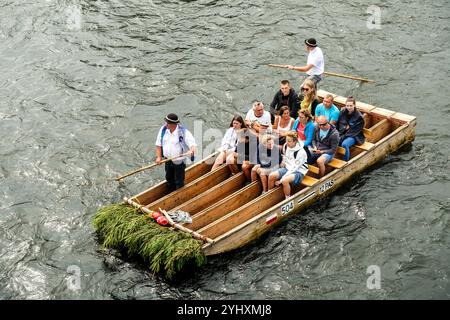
(286, 96)
(350, 126)
(324, 144)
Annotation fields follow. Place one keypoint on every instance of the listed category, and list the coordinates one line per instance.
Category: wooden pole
(180, 227)
(346, 76)
(327, 73)
(150, 166)
(194, 234)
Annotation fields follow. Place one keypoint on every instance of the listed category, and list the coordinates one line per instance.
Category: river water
(85, 85)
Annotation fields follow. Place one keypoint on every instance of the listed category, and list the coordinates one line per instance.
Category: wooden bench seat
(309, 181)
(313, 169)
(365, 146)
(336, 163)
(367, 133)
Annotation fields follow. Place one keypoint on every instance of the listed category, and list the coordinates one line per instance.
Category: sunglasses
(322, 124)
(304, 89)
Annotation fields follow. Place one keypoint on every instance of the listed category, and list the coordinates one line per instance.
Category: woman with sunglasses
(308, 96)
(350, 126)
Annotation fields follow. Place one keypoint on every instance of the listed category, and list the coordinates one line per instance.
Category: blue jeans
(346, 144)
(298, 176)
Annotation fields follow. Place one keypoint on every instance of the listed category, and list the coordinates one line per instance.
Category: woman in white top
(283, 124)
(229, 141)
(293, 167)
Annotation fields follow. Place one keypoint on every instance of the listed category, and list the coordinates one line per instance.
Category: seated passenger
(308, 97)
(268, 160)
(256, 118)
(242, 157)
(304, 126)
(328, 109)
(229, 141)
(293, 167)
(350, 126)
(286, 96)
(283, 124)
(324, 144)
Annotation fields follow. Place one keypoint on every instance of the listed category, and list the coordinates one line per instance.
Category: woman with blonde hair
(293, 167)
(308, 96)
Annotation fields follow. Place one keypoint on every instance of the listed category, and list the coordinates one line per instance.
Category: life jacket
(181, 139)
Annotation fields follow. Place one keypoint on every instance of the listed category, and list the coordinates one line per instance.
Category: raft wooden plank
(191, 189)
(364, 107)
(404, 118)
(398, 119)
(216, 193)
(243, 213)
(384, 113)
(158, 191)
(379, 130)
(226, 205)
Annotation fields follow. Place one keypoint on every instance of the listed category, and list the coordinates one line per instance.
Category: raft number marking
(287, 207)
(327, 185)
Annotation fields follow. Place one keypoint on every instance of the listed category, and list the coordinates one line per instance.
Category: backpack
(295, 152)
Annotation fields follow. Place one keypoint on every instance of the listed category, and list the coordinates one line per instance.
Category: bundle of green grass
(164, 249)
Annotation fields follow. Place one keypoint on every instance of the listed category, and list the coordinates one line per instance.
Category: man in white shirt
(315, 65)
(174, 140)
(256, 118)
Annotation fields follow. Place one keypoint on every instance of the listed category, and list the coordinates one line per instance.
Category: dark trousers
(309, 156)
(174, 175)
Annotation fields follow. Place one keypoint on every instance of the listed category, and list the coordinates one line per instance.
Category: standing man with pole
(174, 140)
(315, 64)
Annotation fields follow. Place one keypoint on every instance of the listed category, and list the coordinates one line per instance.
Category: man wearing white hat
(315, 65)
(174, 140)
